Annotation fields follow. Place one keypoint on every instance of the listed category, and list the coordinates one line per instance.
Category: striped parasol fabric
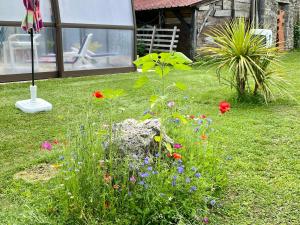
(33, 18)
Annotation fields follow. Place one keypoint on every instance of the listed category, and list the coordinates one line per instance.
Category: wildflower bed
(258, 145)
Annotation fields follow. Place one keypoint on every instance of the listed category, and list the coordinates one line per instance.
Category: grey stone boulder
(132, 137)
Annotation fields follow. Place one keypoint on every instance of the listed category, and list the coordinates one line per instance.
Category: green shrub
(244, 55)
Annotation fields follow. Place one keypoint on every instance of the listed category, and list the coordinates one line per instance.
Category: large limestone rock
(132, 137)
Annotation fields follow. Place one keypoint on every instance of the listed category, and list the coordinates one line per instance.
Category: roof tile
(159, 4)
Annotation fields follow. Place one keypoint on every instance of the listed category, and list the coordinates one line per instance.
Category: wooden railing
(158, 40)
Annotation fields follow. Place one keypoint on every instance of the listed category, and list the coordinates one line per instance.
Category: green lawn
(260, 143)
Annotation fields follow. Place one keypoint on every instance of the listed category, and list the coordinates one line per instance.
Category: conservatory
(80, 38)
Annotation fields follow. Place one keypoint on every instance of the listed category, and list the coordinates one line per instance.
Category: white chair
(265, 33)
(22, 42)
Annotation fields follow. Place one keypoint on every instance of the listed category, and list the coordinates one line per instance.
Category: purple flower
(155, 172)
(179, 161)
(174, 177)
(212, 202)
(188, 180)
(200, 122)
(171, 104)
(198, 175)
(194, 169)
(46, 145)
(157, 155)
(143, 175)
(193, 188)
(149, 168)
(180, 169)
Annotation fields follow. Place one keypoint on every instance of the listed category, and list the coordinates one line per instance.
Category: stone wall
(291, 8)
(222, 12)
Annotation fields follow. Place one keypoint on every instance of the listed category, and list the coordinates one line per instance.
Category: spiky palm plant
(246, 57)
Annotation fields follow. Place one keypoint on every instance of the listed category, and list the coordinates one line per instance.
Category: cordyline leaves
(162, 64)
(246, 57)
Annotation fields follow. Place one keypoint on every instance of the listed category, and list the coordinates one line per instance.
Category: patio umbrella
(33, 23)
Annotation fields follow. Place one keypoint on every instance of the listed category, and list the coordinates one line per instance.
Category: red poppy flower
(203, 117)
(224, 107)
(177, 156)
(98, 94)
(192, 117)
(56, 142)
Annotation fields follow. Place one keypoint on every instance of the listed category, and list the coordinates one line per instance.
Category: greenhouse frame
(90, 37)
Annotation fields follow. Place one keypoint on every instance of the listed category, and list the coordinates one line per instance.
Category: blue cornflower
(177, 120)
(174, 177)
(157, 155)
(144, 175)
(194, 169)
(180, 169)
(188, 180)
(146, 161)
(155, 172)
(146, 112)
(200, 122)
(149, 168)
(212, 202)
(193, 188)
(179, 161)
(198, 175)
(141, 182)
(173, 183)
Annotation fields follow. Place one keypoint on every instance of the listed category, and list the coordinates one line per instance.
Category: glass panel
(15, 51)
(14, 10)
(97, 48)
(111, 12)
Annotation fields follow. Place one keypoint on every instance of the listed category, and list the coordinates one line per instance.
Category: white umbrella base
(29, 106)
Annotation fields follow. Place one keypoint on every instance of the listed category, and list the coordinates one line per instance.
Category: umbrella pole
(32, 57)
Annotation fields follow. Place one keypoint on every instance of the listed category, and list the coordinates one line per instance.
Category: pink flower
(46, 145)
(205, 220)
(132, 179)
(177, 146)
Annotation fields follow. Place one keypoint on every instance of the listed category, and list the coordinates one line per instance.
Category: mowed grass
(260, 143)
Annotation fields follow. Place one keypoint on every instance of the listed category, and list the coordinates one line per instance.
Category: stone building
(195, 17)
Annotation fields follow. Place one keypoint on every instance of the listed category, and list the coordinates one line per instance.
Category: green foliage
(250, 63)
(297, 35)
(162, 64)
(141, 49)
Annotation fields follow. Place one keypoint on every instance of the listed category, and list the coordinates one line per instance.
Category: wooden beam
(181, 18)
